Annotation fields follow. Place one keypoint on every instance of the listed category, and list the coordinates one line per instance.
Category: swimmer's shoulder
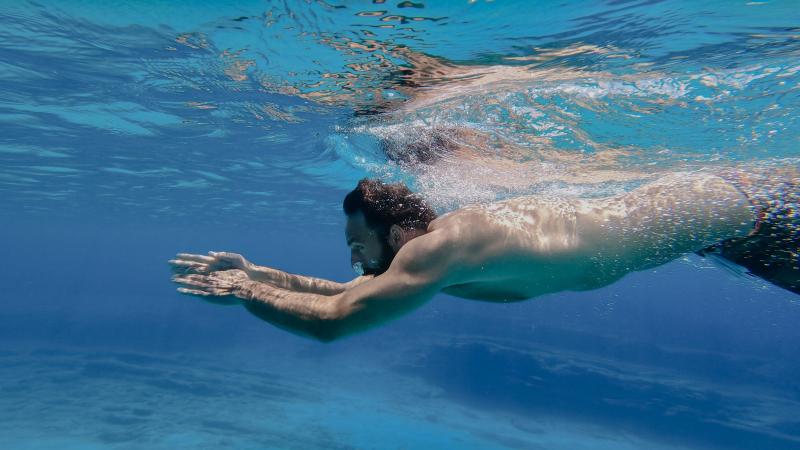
(456, 222)
(467, 231)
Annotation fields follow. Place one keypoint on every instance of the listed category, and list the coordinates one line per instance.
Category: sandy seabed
(64, 399)
(442, 396)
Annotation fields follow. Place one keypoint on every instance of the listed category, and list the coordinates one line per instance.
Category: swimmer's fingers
(206, 290)
(218, 283)
(193, 292)
(227, 261)
(184, 266)
(211, 298)
(195, 258)
(200, 281)
(204, 287)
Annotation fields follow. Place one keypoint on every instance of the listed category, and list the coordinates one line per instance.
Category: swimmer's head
(381, 218)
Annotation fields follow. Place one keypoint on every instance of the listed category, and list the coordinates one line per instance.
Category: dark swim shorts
(772, 249)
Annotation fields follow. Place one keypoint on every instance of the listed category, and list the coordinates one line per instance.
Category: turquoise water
(135, 130)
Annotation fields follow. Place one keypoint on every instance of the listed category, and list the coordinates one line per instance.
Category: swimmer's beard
(361, 271)
(376, 267)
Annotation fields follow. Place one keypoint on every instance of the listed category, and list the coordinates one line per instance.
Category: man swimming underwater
(510, 250)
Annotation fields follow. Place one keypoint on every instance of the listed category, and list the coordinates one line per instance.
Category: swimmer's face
(370, 254)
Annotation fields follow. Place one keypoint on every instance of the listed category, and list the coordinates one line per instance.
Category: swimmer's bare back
(529, 246)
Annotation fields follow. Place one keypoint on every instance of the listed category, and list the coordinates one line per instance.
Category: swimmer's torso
(533, 245)
(515, 249)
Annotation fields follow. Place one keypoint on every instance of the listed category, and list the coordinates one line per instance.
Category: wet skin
(506, 251)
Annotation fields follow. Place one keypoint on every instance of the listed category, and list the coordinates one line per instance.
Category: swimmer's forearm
(295, 283)
(306, 314)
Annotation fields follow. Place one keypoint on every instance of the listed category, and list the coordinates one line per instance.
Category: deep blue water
(132, 131)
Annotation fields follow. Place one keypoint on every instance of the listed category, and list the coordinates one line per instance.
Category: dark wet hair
(384, 205)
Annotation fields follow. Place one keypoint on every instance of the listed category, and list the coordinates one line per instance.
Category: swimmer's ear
(396, 237)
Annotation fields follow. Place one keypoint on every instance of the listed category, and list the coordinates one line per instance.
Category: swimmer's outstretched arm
(301, 283)
(185, 263)
(419, 270)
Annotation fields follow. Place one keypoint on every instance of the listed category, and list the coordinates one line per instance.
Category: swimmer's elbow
(353, 314)
(335, 329)
(336, 323)
(324, 330)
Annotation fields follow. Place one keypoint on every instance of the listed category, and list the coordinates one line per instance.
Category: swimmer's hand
(216, 287)
(190, 264)
(215, 262)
